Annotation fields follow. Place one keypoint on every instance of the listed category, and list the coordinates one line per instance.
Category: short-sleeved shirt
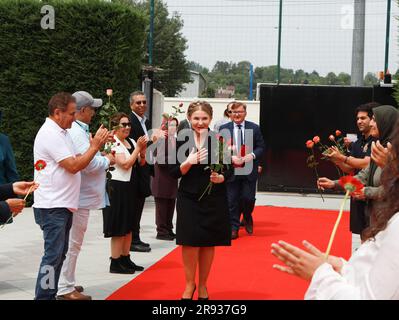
(361, 148)
(58, 188)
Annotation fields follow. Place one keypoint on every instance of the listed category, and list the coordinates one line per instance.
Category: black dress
(118, 216)
(205, 222)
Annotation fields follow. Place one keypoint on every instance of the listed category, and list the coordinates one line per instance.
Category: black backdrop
(292, 114)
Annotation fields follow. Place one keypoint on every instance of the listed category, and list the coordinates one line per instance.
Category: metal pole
(251, 81)
(279, 41)
(357, 72)
(387, 35)
(151, 35)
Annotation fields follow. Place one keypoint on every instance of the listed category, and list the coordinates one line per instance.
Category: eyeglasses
(141, 102)
(229, 111)
(126, 124)
(238, 112)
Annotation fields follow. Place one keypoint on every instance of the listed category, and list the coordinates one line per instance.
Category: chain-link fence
(225, 36)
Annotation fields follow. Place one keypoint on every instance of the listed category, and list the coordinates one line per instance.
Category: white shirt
(236, 130)
(372, 273)
(121, 174)
(58, 188)
(92, 188)
(142, 121)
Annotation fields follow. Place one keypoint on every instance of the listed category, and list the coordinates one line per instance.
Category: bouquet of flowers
(220, 166)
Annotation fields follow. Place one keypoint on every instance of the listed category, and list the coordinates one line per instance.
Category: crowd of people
(176, 163)
(115, 171)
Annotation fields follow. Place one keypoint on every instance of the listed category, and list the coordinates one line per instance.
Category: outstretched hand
(299, 262)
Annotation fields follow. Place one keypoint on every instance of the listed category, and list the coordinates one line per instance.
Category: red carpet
(244, 270)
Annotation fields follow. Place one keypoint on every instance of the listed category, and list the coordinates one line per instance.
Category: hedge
(95, 45)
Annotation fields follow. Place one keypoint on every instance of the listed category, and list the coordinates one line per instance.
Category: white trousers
(66, 284)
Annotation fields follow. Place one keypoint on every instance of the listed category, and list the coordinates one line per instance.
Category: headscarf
(385, 117)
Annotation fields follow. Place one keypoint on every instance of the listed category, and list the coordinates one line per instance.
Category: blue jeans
(55, 223)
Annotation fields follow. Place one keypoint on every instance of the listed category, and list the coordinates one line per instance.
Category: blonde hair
(199, 105)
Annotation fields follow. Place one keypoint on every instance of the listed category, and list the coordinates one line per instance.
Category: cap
(84, 99)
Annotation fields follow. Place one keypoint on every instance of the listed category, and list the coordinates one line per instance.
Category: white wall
(218, 105)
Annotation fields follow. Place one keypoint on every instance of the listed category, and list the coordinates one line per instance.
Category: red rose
(309, 144)
(338, 133)
(40, 165)
(316, 139)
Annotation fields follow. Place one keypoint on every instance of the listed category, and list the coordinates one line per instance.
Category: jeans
(55, 223)
(67, 280)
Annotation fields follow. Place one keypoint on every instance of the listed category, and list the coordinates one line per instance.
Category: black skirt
(118, 217)
(202, 223)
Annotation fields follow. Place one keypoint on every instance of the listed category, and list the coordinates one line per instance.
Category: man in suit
(140, 127)
(242, 185)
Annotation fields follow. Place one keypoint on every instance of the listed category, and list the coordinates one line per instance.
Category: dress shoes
(139, 248)
(167, 237)
(172, 233)
(192, 294)
(234, 234)
(249, 225)
(204, 298)
(74, 295)
(141, 243)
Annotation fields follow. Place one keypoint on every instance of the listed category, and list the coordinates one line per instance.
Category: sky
(316, 34)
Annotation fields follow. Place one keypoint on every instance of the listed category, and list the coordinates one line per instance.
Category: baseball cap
(84, 99)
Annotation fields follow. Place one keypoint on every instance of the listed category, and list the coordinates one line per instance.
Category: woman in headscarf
(382, 125)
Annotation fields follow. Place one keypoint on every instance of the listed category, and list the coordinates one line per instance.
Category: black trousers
(138, 212)
(164, 210)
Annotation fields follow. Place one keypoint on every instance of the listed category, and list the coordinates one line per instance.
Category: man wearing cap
(58, 195)
(92, 193)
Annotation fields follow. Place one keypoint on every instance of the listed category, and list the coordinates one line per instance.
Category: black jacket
(6, 192)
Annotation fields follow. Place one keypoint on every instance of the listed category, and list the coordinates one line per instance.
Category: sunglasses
(141, 102)
(126, 124)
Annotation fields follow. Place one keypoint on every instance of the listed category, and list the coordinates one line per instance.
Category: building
(195, 88)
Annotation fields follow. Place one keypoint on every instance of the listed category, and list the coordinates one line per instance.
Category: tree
(370, 79)
(168, 50)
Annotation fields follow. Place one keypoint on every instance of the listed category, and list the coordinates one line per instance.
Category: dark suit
(184, 124)
(6, 192)
(143, 175)
(243, 187)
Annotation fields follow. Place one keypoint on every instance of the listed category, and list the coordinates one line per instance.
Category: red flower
(243, 150)
(309, 144)
(316, 139)
(331, 137)
(338, 133)
(40, 165)
(351, 184)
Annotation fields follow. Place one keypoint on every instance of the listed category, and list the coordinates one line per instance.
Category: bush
(95, 45)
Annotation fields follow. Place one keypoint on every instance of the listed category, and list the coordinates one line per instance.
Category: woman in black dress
(202, 223)
(118, 216)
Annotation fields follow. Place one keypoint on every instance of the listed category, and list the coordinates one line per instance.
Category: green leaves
(95, 45)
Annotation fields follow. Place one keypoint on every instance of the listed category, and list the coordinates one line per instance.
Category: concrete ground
(21, 248)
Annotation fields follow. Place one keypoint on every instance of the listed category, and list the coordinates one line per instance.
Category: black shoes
(234, 234)
(130, 264)
(119, 266)
(204, 298)
(140, 246)
(249, 225)
(167, 237)
(192, 295)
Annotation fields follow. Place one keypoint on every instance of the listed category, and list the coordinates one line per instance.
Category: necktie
(239, 137)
